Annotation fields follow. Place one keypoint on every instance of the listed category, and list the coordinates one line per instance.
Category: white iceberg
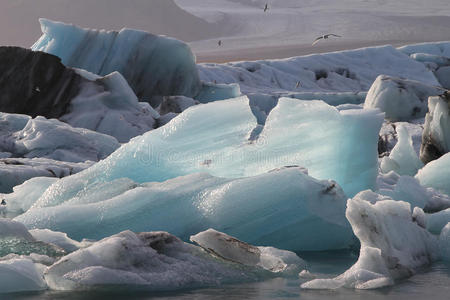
(230, 248)
(15, 171)
(393, 244)
(400, 99)
(403, 159)
(146, 261)
(436, 134)
(344, 71)
(436, 174)
(108, 105)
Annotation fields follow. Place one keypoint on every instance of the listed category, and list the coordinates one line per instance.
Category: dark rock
(35, 83)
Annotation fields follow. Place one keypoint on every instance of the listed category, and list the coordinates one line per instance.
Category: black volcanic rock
(35, 83)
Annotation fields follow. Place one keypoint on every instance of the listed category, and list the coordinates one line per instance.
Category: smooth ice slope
(400, 99)
(436, 174)
(152, 65)
(285, 208)
(20, 275)
(393, 245)
(214, 137)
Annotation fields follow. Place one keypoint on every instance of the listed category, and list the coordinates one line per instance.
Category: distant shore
(280, 52)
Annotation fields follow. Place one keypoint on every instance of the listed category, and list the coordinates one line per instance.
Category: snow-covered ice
(400, 99)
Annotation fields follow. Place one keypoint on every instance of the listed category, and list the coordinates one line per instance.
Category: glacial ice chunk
(400, 99)
(149, 261)
(409, 189)
(108, 105)
(438, 220)
(436, 134)
(153, 65)
(403, 158)
(436, 174)
(343, 71)
(25, 194)
(20, 275)
(444, 241)
(230, 248)
(15, 171)
(393, 245)
(308, 210)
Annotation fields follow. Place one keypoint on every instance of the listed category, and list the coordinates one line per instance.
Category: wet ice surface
(429, 283)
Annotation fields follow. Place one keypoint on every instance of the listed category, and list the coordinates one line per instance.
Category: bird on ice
(219, 43)
(266, 7)
(326, 36)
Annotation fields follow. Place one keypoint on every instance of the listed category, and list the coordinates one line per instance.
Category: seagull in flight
(266, 7)
(297, 85)
(324, 37)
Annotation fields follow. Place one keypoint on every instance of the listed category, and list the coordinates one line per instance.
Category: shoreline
(288, 51)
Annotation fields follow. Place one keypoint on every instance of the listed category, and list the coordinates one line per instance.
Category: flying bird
(297, 85)
(266, 7)
(324, 37)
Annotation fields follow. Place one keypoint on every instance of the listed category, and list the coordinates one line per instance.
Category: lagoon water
(432, 283)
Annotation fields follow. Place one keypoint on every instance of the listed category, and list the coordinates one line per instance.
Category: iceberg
(400, 99)
(444, 242)
(20, 275)
(436, 174)
(393, 244)
(15, 171)
(152, 261)
(154, 66)
(438, 220)
(74, 96)
(436, 133)
(389, 136)
(108, 105)
(230, 248)
(306, 211)
(344, 71)
(214, 138)
(409, 189)
(25, 137)
(403, 158)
